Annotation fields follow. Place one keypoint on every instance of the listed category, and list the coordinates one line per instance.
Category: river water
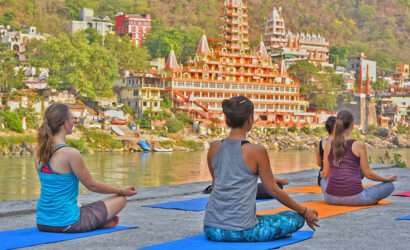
(18, 177)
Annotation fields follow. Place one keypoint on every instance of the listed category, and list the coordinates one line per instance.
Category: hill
(380, 28)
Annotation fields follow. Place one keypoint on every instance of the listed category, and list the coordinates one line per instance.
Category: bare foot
(112, 223)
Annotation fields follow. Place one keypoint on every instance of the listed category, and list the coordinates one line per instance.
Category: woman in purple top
(344, 161)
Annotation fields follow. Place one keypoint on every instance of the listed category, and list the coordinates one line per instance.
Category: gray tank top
(232, 204)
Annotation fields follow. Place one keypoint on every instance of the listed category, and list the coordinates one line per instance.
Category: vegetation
(11, 121)
(101, 140)
(10, 75)
(349, 25)
(79, 144)
(320, 87)
(75, 62)
(182, 40)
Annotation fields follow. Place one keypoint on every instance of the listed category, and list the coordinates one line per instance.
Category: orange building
(231, 69)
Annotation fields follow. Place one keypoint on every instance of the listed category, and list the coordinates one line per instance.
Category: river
(18, 178)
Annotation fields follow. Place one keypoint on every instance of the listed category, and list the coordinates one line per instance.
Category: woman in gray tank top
(235, 166)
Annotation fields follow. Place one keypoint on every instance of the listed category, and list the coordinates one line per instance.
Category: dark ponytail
(237, 111)
(55, 117)
(344, 120)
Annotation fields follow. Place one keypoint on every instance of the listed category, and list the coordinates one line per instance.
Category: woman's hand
(130, 191)
(311, 217)
(391, 178)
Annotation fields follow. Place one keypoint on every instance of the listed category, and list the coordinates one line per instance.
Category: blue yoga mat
(28, 237)
(201, 243)
(192, 205)
(404, 218)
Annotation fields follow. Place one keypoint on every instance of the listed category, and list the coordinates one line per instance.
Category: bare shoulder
(255, 148)
(214, 147)
(358, 145)
(359, 148)
(70, 153)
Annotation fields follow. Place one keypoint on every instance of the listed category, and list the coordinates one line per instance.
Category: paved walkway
(374, 228)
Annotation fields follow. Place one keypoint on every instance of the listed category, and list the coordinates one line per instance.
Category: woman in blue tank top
(60, 169)
(235, 166)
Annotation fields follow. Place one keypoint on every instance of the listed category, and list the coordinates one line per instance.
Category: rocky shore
(275, 140)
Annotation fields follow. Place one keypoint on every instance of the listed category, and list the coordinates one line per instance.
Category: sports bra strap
(244, 142)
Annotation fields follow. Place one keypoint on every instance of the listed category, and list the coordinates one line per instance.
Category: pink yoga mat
(404, 194)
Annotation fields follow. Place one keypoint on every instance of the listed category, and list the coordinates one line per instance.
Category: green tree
(10, 75)
(75, 62)
(128, 55)
(182, 40)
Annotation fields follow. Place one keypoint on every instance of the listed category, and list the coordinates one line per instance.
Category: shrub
(174, 125)
(307, 130)
(402, 129)
(102, 140)
(193, 145)
(79, 144)
(12, 121)
(292, 129)
(183, 117)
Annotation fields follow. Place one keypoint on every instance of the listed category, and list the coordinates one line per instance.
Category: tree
(10, 75)
(75, 62)
(320, 87)
(182, 40)
(128, 55)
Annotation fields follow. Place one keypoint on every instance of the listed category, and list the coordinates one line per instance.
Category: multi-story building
(17, 40)
(230, 69)
(365, 71)
(102, 25)
(402, 74)
(136, 26)
(298, 46)
(142, 92)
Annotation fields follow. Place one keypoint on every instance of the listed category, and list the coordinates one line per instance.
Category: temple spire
(203, 47)
(171, 62)
(262, 51)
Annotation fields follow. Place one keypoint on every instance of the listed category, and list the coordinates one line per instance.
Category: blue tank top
(58, 205)
(232, 204)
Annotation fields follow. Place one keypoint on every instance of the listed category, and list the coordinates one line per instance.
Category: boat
(165, 150)
(117, 121)
(145, 146)
(117, 130)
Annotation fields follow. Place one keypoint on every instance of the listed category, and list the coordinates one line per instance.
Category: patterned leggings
(270, 227)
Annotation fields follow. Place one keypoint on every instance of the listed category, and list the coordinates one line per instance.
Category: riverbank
(375, 225)
(90, 141)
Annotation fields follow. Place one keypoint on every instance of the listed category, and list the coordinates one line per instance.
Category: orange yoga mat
(311, 189)
(325, 210)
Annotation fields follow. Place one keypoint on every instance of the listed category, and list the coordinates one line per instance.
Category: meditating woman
(330, 124)
(60, 168)
(235, 166)
(345, 160)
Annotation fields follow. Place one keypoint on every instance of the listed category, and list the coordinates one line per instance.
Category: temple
(298, 46)
(231, 69)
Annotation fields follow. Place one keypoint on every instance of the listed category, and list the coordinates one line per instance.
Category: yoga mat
(304, 189)
(200, 242)
(325, 210)
(29, 237)
(192, 205)
(315, 189)
(404, 194)
(404, 218)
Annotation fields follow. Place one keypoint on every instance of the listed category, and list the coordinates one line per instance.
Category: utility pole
(366, 121)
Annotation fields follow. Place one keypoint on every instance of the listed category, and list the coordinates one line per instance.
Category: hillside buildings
(232, 69)
(290, 46)
(102, 25)
(136, 26)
